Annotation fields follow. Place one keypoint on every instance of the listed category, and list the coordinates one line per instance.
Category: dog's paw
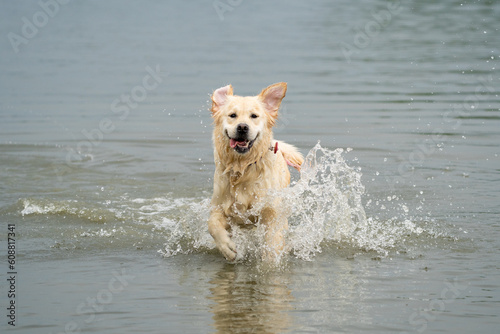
(227, 247)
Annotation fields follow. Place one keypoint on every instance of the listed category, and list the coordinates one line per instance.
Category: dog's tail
(292, 156)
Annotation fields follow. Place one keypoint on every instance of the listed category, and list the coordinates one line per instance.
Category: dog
(249, 164)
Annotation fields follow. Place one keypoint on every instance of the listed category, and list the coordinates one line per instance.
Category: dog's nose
(242, 128)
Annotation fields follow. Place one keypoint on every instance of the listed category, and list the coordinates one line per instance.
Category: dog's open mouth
(244, 143)
(241, 145)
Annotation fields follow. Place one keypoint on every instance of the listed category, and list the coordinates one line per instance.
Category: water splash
(190, 234)
(325, 209)
(325, 203)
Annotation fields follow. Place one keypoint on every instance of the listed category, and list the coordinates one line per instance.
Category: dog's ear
(272, 96)
(219, 97)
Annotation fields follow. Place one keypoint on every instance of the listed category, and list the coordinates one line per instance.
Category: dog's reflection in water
(247, 301)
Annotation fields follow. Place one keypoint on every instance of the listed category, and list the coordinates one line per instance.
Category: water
(106, 166)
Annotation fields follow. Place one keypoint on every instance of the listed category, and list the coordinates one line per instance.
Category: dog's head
(246, 120)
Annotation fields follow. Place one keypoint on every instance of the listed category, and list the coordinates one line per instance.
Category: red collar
(274, 149)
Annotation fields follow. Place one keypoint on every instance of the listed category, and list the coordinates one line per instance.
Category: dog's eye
(233, 115)
(254, 116)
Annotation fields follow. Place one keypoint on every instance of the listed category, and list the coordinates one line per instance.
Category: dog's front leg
(218, 228)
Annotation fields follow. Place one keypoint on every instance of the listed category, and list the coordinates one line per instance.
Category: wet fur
(242, 180)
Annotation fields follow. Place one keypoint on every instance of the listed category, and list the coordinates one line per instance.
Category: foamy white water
(325, 207)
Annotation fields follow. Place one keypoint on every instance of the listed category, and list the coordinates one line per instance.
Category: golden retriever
(248, 164)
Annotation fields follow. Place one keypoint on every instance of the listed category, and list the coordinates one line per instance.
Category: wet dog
(248, 164)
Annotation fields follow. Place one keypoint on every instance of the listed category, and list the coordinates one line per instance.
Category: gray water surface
(106, 165)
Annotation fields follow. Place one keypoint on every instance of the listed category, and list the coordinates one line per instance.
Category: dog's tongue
(233, 143)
